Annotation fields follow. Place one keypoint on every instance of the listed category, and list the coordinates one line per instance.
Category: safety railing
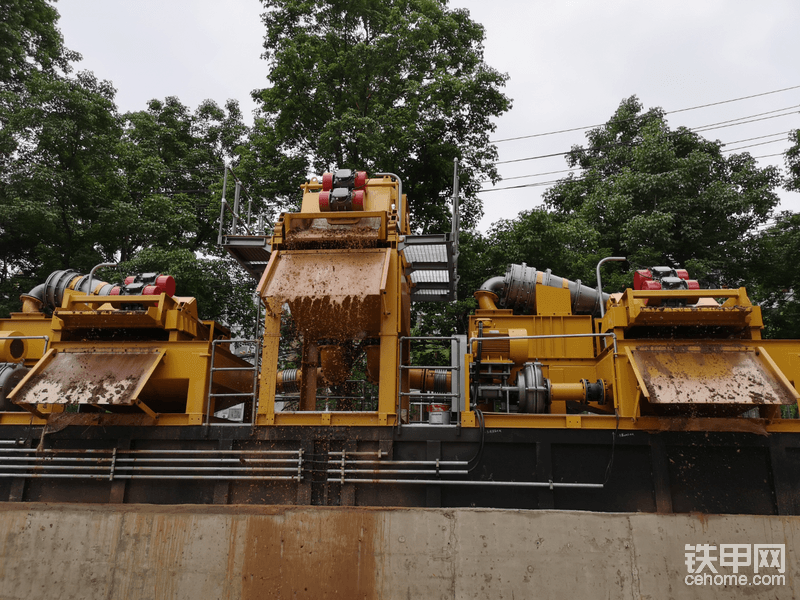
(443, 401)
(251, 396)
(239, 222)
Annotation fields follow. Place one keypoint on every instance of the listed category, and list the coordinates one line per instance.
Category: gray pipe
(36, 293)
(51, 292)
(91, 276)
(55, 285)
(517, 290)
(494, 285)
(600, 283)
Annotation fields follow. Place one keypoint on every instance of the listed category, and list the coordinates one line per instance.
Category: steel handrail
(455, 377)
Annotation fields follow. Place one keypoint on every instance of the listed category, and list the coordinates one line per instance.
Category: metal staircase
(431, 261)
(250, 251)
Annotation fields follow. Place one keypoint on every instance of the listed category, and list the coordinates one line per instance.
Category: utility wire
(750, 146)
(761, 137)
(671, 112)
(582, 177)
(770, 155)
(733, 122)
(702, 128)
(505, 162)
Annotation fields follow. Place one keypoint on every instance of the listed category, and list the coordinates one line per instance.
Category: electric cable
(581, 178)
(613, 448)
(699, 129)
(761, 137)
(671, 112)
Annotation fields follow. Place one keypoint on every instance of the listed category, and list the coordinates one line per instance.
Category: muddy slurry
(346, 236)
(334, 296)
(93, 376)
(331, 294)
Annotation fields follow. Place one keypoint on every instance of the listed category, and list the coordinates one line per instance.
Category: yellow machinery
(135, 351)
(657, 359)
(543, 352)
(337, 267)
(125, 384)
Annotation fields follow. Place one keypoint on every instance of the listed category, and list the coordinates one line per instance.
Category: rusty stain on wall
(327, 554)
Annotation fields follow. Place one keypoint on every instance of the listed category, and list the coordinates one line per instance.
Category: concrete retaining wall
(84, 552)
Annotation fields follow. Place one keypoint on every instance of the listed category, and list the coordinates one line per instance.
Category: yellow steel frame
(636, 308)
(186, 354)
(388, 385)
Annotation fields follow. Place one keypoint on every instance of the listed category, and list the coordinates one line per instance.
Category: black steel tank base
(606, 471)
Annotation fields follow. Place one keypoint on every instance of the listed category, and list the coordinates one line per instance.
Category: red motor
(146, 284)
(663, 278)
(343, 191)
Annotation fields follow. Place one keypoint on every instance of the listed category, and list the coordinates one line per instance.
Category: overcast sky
(570, 64)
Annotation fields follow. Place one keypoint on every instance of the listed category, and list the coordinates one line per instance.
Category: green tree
(30, 44)
(793, 162)
(32, 55)
(395, 86)
(80, 184)
(30, 41)
(165, 219)
(172, 161)
(60, 180)
(664, 196)
(774, 278)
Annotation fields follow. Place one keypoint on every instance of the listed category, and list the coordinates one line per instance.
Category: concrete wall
(85, 552)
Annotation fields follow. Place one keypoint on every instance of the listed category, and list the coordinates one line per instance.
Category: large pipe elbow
(494, 285)
(517, 290)
(33, 301)
(489, 292)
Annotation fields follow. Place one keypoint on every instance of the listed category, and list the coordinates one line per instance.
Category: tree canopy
(395, 86)
(81, 184)
(665, 196)
(793, 162)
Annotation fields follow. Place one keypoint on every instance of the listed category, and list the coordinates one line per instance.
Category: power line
(671, 112)
(751, 146)
(525, 185)
(733, 122)
(532, 175)
(761, 137)
(505, 162)
(699, 129)
(582, 177)
(794, 87)
(770, 155)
